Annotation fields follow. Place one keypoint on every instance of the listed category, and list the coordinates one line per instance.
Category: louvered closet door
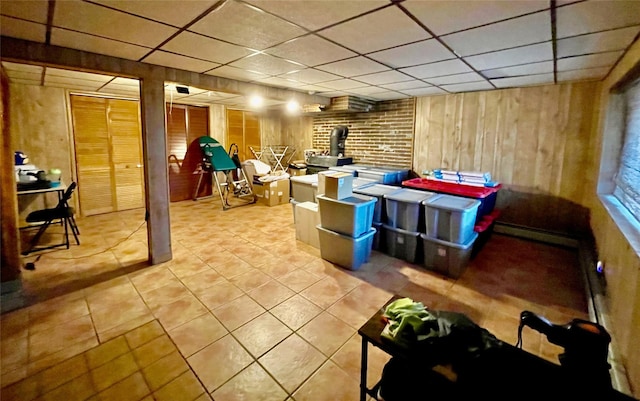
(243, 129)
(91, 133)
(126, 153)
(251, 135)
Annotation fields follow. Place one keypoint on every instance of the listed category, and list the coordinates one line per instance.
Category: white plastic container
(378, 191)
(306, 220)
(344, 250)
(446, 257)
(405, 210)
(352, 216)
(362, 182)
(450, 218)
(304, 187)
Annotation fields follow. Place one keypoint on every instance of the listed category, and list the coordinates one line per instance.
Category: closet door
(108, 145)
(243, 129)
(126, 153)
(95, 192)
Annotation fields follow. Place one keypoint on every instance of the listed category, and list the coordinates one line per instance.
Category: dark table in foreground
(508, 373)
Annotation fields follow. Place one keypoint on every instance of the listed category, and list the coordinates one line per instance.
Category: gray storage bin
(378, 238)
(378, 191)
(405, 210)
(402, 244)
(450, 218)
(345, 169)
(344, 250)
(351, 216)
(447, 257)
(304, 187)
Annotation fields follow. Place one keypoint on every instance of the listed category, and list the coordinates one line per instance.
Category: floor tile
(113, 371)
(327, 333)
(184, 387)
(250, 280)
(179, 311)
(271, 294)
(324, 293)
(132, 388)
(166, 294)
(203, 280)
(219, 294)
(58, 337)
(238, 312)
(298, 279)
(327, 384)
(261, 334)
(196, 334)
(143, 334)
(348, 359)
(296, 311)
(292, 361)
(164, 370)
(218, 362)
(251, 384)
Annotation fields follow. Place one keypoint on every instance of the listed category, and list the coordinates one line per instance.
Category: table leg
(363, 370)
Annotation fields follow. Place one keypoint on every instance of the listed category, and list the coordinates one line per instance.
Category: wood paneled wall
(536, 141)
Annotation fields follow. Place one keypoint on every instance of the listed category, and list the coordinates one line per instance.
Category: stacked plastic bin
(403, 225)
(449, 233)
(345, 230)
(380, 211)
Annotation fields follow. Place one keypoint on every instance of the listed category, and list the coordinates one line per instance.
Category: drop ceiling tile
(414, 84)
(101, 21)
(77, 75)
(363, 33)
(20, 29)
(353, 67)
(163, 11)
(520, 31)
(594, 16)
(388, 95)
(226, 71)
(280, 82)
(17, 67)
(590, 61)
(166, 59)
(311, 50)
(67, 82)
(525, 69)
(586, 74)
(366, 91)
(456, 79)
(528, 80)
(310, 76)
(266, 64)
(511, 57)
(73, 87)
(14, 76)
(331, 94)
(342, 84)
(35, 11)
(246, 26)
(385, 77)
(95, 44)
(315, 14)
(437, 69)
(617, 39)
(129, 82)
(468, 87)
(120, 89)
(449, 16)
(427, 51)
(202, 47)
(432, 90)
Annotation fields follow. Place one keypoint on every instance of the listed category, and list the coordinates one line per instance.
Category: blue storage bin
(345, 169)
(352, 216)
(378, 191)
(343, 250)
(405, 210)
(382, 176)
(450, 218)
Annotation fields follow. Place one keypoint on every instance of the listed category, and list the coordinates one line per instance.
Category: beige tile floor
(243, 311)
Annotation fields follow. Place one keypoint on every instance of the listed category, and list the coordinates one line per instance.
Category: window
(627, 178)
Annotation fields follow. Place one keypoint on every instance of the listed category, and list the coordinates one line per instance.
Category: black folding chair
(62, 212)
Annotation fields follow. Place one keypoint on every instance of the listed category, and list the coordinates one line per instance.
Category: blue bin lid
(410, 195)
(453, 203)
(377, 190)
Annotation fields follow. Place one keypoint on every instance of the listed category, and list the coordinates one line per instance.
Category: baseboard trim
(11, 297)
(536, 235)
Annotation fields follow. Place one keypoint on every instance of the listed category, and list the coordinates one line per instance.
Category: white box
(306, 220)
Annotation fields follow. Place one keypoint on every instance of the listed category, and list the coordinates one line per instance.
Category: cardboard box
(338, 186)
(272, 193)
(321, 179)
(306, 220)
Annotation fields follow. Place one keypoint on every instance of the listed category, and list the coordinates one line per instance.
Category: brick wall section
(383, 136)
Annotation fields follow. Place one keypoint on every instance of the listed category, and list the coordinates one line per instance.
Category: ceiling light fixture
(256, 101)
(293, 106)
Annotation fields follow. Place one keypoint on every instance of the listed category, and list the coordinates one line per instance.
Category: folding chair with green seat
(45, 217)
